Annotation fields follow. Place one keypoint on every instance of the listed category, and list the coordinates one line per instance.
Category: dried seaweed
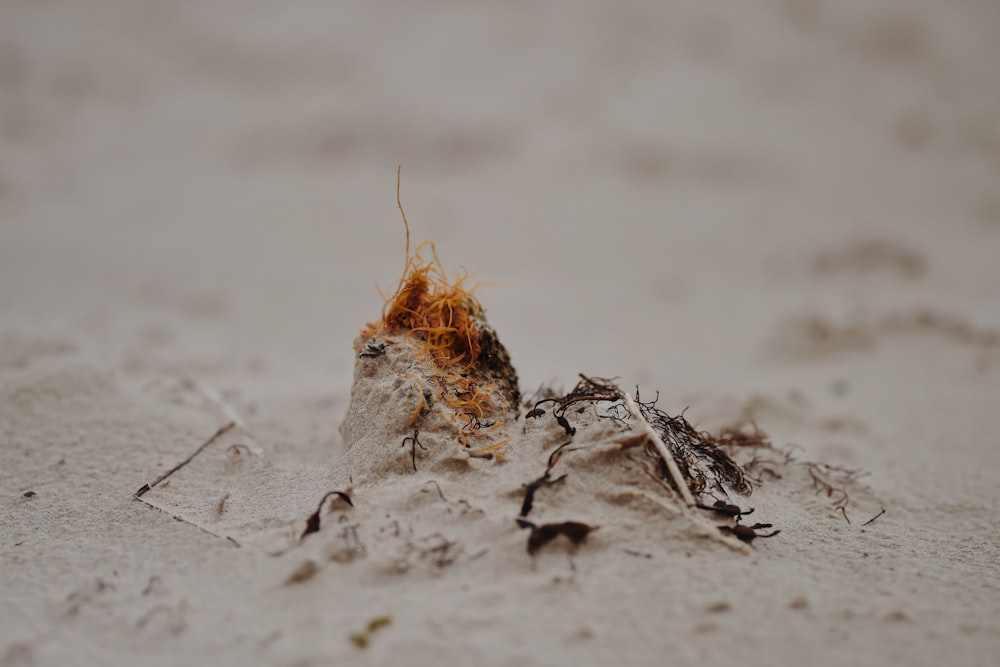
(748, 533)
(312, 523)
(575, 531)
(727, 509)
(872, 520)
(822, 475)
(414, 443)
(529, 491)
(589, 390)
(733, 436)
(703, 464)
(544, 480)
(694, 459)
(564, 423)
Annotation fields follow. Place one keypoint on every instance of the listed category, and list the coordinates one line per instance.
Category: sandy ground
(785, 210)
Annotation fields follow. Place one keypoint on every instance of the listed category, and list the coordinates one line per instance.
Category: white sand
(784, 211)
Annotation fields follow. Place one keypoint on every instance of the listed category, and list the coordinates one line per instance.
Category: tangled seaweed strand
(588, 389)
(703, 464)
(705, 467)
(442, 312)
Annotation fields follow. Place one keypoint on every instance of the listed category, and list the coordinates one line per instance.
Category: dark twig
(556, 455)
(476, 424)
(564, 423)
(545, 479)
(414, 443)
(218, 434)
(312, 523)
(588, 389)
(872, 520)
(529, 491)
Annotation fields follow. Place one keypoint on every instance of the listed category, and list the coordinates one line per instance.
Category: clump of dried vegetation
(695, 467)
(458, 362)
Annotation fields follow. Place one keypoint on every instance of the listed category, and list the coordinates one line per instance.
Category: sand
(783, 213)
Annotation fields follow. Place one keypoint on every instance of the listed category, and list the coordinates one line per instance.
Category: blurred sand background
(785, 209)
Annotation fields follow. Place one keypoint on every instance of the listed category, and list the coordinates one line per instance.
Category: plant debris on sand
(703, 465)
(694, 467)
(432, 371)
(452, 355)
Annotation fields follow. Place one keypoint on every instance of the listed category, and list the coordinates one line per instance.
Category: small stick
(874, 517)
(414, 443)
(399, 203)
(218, 434)
(675, 472)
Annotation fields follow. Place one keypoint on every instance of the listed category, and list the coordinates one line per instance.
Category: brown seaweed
(575, 531)
(312, 523)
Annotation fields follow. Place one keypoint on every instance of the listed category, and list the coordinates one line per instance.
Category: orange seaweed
(442, 311)
(442, 314)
